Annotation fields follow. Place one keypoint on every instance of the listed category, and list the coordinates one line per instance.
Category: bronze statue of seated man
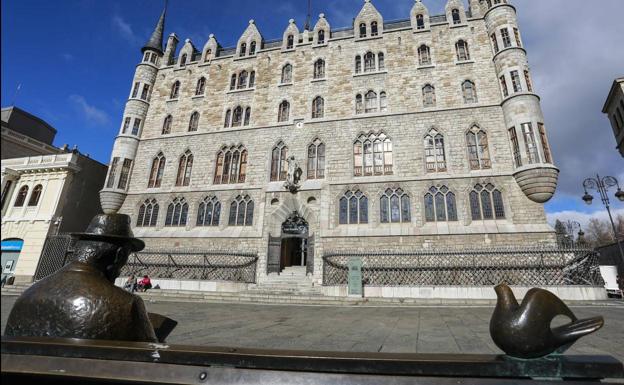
(80, 300)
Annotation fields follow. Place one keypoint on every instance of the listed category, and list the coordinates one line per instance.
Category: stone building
(24, 134)
(411, 134)
(614, 108)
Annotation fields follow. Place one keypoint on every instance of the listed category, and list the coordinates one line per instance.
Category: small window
(194, 122)
(545, 145)
(279, 162)
(252, 48)
(252, 79)
(316, 160)
(125, 173)
(290, 42)
(429, 98)
(126, 125)
(420, 21)
(456, 16)
(185, 167)
(494, 43)
(242, 80)
(247, 116)
(136, 127)
(478, 149)
(243, 49)
(424, 55)
(318, 108)
(112, 173)
(135, 90)
(177, 213)
(383, 102)
(287, 74)
(200, 89)
(241, 211)
(353, 208)
(157, 171)
(166, 129)
(35, 195)
(228, 118)
(319, 69)
(505, 37)
(283, 113)
(209, 212)
(148, 213)
(435, 156)
(513, 137)
(359, 104)
(208, 55)
(362, 29)
(146, 92)
(527, 78)
(503, 83)
(374, 29)
(469, 92)
(175, 90)
(358, 64)
(321, 37)
(381, 64)
(369, 62)
(463, 54)
(530, 143)
(21, 196)
(515, 81)
(237, 117)
(517, 36)
(370, 102)
(183, 60)
(233, 82)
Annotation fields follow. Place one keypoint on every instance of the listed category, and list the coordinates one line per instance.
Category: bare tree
(599, 233)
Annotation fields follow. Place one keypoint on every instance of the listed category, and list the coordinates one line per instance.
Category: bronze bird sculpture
(524, 331)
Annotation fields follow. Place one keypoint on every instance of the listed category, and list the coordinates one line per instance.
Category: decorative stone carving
(294, 175)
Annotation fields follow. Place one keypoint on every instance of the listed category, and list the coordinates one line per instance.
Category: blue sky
(75, 59)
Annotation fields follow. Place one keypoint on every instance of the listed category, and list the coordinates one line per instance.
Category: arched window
(233, 82)
(148, 213)
(435, 158)
(228, 118)
(429, 98)
(177, 213)
(353, 208)
(383, 102)
(243, 49)
(463, 54)
(200, 89)
(283, 112)
(287, 74)
(372, 155)
(241, 211)
(316, 160)
(318, 108)
(359, 104)
(440, 205)
(35, 195)
(185, 167)
(231, 165)
(371, 102)
(319, 69)
(290, 42)
(279, 164)
(456, 16)
(486, 203)
(478, 149)
(252, 48)
(394, 206)
(358, 64)
(424, 55)
(208, 55)
(157, 171)
(369, 62)
(252, 79)
(21, 196)
(237, 117)
(209, 212)
(183, 60)
(362, 29)
(175, 90)
(381, 63)
(420, 21)
(194, 122)
(321, 37)
(242, 80)
(167, 125)
(247, 116)
(469, 91)
(374, 29)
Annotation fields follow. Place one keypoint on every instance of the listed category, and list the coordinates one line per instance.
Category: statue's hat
(112, 228)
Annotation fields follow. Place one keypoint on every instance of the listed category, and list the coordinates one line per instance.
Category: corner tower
(113, 194)
(535, 172)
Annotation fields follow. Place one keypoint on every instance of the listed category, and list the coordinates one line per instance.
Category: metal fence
(514, 266)
(194, 265)
(56, 253)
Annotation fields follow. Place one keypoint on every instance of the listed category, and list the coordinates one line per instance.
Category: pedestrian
(145, 283)
(131, 284)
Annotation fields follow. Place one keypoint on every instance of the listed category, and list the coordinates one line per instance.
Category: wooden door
(274, 254)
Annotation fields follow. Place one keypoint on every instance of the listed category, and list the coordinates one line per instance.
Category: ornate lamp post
(602, 185)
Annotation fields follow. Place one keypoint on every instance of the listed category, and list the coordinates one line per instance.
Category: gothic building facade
(420, 133)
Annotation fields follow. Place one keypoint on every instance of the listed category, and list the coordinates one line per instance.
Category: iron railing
(514, 266)
(57, 252)
(193, 265)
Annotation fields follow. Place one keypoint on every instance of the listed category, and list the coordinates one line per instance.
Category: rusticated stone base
(111, 201)
(538, 182)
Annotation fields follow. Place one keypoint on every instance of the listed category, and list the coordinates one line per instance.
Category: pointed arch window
(209, 212)
(243, 49)
(321, 37)
(252, 79)
(247, 116)
(21, 196)
(381, 63)
(429, 98)
(233, 82)
(175, 90)
(420, 21)
(435, 157)
(469, 92)
(185, 167)
(486, 203)
(362, 29)
(241, 211)
(358, 64)
(424, 55)
(359, 104)
(319, 69)
(208, 55)
(231, 165)
(148, 213)
(252, 48)
(318, 108)
(353, 208)
(279, 164)
(369, 62)
(394, 206)
(35, 195)
(287, 74)
(167, 125)
(194, 122)
(374, 29)
(316, 160)
(283, 113)
(183, 59)
(478, 149)
(228, 118)
(456, 16)
(157, 171)
(372, 155)
(237, 117)
(200, 89)
(290, 42)
(242, 80)
(463, 53)
(177, 213)
(370, 102)
(383, 102)
(440, 205)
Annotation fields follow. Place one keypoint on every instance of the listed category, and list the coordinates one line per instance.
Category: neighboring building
(614, 108)
(419, 133)
(42, 195)
(24, 134)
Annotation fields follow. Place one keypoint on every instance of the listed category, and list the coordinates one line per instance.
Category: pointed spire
(307, 23)
(156, 40)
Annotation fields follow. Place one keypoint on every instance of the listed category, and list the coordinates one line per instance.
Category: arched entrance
(295, 246)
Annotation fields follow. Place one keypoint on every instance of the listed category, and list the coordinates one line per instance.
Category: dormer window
(243, 50)
(321, 37)
(362, 30)
(456, 16)
(290, 42)
(183, 60)
(208, 54)
(420, 21)
(374, 29)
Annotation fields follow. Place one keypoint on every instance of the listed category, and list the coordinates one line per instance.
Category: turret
(170, 49)
(534, 169)
(127, 141)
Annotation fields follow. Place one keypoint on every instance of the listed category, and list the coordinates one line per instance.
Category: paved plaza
(362, 329)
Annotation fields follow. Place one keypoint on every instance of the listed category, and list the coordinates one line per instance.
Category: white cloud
(582, 218)
(124, 29)
(92, 114)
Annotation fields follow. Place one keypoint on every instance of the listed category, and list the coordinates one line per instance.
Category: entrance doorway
(294, 252)
(295, 247)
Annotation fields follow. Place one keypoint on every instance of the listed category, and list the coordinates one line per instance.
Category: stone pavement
(364, 329)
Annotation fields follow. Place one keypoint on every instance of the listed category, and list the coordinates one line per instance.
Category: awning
(12, 245)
